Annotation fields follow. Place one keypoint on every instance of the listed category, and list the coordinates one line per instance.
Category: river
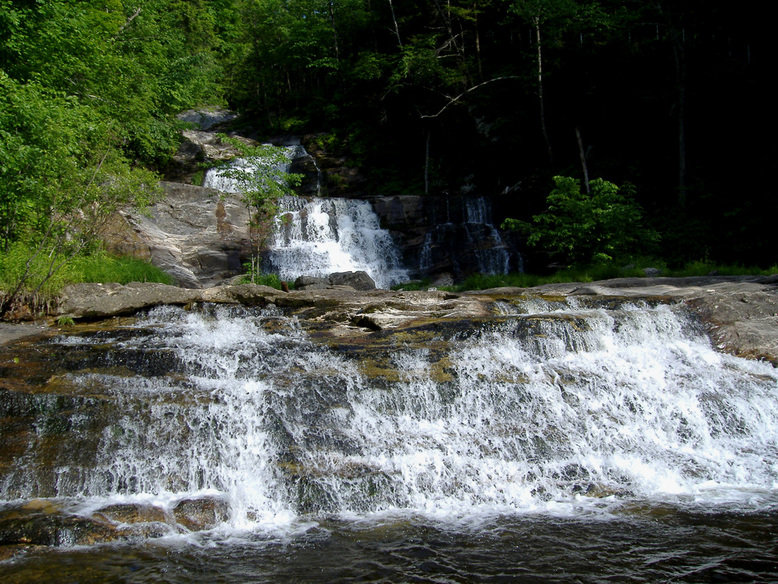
(552, 442)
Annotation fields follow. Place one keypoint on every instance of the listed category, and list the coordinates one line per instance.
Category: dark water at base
(652, 544)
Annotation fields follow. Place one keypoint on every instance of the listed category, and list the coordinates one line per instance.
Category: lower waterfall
(547, 418)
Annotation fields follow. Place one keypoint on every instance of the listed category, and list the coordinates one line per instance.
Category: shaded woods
(495, 97)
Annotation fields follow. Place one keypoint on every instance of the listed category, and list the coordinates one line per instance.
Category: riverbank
(14, 331)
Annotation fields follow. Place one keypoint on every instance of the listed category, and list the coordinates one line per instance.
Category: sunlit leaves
(580, 227)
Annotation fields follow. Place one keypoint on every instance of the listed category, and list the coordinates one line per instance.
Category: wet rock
(42, 522)
(740, 314)
(106, 300)
(744, 323)
(200, 514)
(130, 513)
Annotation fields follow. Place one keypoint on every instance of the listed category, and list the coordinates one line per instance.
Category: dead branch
(453, 100)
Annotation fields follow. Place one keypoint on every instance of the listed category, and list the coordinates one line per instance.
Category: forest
(667, 99)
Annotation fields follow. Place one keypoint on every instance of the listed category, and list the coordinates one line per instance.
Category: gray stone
(196, 235)
(359, 280)
(199, 514)
(311, 283)
(106, 300)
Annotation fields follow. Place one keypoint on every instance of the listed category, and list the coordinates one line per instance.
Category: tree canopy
(437, 96)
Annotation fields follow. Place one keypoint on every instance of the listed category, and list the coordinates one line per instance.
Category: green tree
(579, 227)
(62, 174)
(262, 179)
(135, 63)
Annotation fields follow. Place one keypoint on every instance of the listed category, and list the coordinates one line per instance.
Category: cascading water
(548, 409)
(320, 236)
(464, 240)
(539, 409)
(493, 257)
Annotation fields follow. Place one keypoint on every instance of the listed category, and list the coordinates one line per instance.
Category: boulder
(131, 513)
(311, 283)
(105, 300)
(42, 522)
(200, 514)
(208, 118)
(359, 280)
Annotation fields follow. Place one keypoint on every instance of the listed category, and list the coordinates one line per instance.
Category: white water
(553, 412)
(219, 177)
(319, 236)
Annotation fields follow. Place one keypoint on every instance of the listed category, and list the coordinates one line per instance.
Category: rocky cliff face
(196, 235)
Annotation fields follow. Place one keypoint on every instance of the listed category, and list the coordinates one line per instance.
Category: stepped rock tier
(199, 234)
(238, 418)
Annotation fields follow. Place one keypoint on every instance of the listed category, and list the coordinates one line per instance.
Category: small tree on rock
(262, 180)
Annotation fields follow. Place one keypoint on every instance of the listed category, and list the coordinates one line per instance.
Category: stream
(554, 441)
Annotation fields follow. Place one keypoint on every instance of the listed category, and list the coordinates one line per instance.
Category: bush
(580, 228)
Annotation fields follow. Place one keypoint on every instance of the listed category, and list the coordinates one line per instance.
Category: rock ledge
(740, 314)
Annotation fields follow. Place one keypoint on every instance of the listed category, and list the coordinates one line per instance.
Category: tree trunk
(679, 52)
(541, 99)
(427, 164)
(396, 28)
(334, 31)
(582, 155)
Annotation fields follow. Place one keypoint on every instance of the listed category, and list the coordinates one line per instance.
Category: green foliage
(88, 90)
(263, 180)
(21, 262)
(255, 277)
(65, 321)
(708, 268)
(134, 64)
(596, 272)
(580, 228)
(62, 176)
(102, 267)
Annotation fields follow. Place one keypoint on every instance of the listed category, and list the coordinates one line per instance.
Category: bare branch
(453, 100)
(126, 24)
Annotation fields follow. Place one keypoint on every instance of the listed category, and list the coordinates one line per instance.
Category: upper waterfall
(318, 236)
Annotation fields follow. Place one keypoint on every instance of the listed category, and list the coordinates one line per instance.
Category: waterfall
(317, 237)
(464, 240)
(490, 250)
(549, 408)
(320, 236)
(218, 177)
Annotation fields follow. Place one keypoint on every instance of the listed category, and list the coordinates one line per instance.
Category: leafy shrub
(585, 228)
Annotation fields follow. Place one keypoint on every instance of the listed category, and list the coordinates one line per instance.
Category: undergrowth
(272, 280)
(41, 287)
